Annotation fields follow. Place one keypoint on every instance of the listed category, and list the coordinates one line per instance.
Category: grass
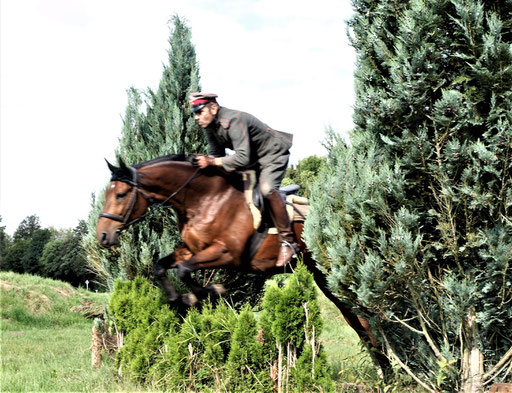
(44, 345)
(350, 363)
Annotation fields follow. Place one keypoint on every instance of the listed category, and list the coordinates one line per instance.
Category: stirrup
(284, 243)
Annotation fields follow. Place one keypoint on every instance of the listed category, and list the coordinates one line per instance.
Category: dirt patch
(37, 302)
(63, 292)
(6, 286)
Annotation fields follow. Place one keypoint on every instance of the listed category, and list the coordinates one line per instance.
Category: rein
(134, 182)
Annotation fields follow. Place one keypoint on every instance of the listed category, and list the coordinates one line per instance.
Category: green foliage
(413, 219)
(304, 174)
(291, 324)
(216, 347)
(155, 124)
(136, 303)
(27, 228)
(23, 254)
(63, 258)
(5, 243)
(245, 360)
(158, 123)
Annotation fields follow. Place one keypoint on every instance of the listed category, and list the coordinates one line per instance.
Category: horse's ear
(111, 167)
(122, 165)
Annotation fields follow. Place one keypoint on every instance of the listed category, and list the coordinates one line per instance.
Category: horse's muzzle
(108, 239)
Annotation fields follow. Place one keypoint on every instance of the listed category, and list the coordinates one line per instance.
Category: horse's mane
(170, 157)
(124, 174)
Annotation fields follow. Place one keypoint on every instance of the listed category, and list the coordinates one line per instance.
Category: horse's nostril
(103, 239)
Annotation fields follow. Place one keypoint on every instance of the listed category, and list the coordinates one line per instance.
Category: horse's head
(124, 204)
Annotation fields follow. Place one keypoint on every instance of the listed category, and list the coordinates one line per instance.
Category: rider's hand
(203, 161)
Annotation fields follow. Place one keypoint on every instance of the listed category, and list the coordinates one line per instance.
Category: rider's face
(205, 115)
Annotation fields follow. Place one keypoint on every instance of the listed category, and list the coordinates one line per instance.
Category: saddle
(296, 206)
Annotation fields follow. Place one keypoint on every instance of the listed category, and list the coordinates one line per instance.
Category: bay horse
(215, 224)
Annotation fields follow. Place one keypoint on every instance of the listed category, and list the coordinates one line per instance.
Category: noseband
(133, 199)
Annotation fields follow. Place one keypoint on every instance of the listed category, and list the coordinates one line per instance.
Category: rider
(255, 146)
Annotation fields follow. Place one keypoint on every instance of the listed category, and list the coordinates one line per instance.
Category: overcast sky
(66, 65)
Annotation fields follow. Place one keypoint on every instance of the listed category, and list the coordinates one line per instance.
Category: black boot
(288, 248)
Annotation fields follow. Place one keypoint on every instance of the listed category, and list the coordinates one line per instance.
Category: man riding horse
(256, 146)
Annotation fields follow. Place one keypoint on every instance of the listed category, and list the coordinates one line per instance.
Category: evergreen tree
(291, 324)
(413, 220)
(165, 126)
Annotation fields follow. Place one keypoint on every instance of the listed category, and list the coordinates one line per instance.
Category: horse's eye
(121, 195)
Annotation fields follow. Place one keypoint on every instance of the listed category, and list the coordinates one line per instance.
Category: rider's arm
(239, 135)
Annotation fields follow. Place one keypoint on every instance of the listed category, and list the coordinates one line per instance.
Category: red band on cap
(200, 101)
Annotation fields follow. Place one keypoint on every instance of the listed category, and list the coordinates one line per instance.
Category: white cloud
(66, 65)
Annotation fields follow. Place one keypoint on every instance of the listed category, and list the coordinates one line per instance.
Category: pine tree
(414, 219)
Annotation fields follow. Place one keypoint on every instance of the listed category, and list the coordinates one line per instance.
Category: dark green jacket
(253, 142)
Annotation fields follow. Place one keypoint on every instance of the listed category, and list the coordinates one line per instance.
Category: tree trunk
(472, 358)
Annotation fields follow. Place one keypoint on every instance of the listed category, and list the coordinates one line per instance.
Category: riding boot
(288, 248)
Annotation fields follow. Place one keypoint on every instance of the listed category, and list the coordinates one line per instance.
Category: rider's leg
(270, 178)
(288, 248)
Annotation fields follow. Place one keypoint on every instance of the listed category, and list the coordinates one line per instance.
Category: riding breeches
(272, 171)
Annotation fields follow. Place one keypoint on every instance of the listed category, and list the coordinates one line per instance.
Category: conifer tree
(163, 126)
(158, 123)
(413, 221)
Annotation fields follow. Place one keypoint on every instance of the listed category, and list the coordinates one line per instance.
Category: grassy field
(46, 347)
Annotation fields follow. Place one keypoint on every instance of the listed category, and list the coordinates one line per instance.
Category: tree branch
(405, 367)
(496, 369)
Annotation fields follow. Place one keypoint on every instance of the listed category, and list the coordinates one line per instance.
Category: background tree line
(47, 252)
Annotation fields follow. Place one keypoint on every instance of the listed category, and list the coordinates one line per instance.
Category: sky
(65, 67)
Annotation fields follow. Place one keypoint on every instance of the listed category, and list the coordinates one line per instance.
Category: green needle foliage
(158, 123)
(163, 126)
(217, 348)
(413, 220)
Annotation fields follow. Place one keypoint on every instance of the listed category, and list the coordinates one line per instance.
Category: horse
(215, 224)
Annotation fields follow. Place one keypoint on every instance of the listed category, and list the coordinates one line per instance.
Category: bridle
(124, 219)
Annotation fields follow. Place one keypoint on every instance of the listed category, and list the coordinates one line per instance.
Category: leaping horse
(215, 224)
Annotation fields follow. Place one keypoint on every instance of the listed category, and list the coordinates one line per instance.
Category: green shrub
(216, 348)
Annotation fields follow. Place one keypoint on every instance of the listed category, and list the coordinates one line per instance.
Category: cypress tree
(158, 123)
(163, 126)
(413, 219)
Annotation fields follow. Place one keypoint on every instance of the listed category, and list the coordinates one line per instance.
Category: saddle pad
(297, 208)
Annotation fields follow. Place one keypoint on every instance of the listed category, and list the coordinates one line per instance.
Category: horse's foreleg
(215, 256)
(160, 271)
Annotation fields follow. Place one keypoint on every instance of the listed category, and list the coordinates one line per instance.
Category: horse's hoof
(218, 289)
(189, 299)
(172, 300)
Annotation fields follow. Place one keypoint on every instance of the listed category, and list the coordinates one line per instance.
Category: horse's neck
(164, 179)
